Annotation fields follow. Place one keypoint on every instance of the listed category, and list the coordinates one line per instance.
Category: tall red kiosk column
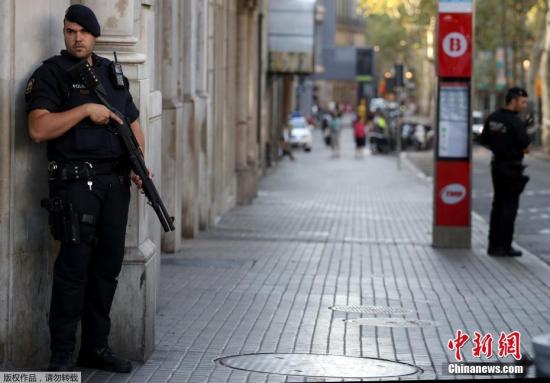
(452, 181)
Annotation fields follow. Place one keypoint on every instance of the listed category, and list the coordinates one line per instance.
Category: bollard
(541, 346)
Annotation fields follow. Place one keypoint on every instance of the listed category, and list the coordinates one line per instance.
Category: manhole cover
(371, 309)
(327, 366)
(392, 322)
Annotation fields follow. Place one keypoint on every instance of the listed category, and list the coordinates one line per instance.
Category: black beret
(80, 14)
(517, 92)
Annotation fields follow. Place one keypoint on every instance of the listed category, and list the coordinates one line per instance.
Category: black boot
(103, 359)
(61, 361)
(496, 251)
(511, 252)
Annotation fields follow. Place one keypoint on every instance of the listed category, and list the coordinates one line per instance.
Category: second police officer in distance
(505, 134)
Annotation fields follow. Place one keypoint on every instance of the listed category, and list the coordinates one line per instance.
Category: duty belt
(75, 171)
(507, 161)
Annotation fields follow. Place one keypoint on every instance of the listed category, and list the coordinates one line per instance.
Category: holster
(512, 171)
(63, 219)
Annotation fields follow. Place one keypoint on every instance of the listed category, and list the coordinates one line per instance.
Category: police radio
(117, 73)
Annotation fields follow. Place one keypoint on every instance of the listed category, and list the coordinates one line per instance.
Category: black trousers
(507, 189)
(85, 274)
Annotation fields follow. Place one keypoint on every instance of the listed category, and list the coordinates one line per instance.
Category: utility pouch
(63, 220)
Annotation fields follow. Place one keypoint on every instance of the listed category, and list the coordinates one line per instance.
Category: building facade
(198, 75)
(343, 32)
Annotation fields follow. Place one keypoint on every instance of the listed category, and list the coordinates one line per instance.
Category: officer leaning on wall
(89, 182)
(505, 134)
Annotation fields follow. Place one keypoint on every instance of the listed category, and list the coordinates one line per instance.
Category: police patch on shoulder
(30, 84)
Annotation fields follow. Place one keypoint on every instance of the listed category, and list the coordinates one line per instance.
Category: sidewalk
(334, 231)
(540, 154)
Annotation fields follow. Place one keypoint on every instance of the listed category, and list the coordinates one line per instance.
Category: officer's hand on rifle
(137, 180)
(100, 114)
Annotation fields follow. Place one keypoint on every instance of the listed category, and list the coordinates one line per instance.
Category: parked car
(477, 124)
(301, 133)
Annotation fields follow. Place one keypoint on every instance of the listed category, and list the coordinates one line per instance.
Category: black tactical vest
(86, 141)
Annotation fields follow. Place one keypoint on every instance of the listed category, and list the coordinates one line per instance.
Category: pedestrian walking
(379, 137)
(380, 122)
(335, 126)
(284, 149)
(89, 183)
(325, 127)
(360, 136)
(505, 134)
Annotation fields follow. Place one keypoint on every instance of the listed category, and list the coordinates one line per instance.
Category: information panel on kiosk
(453, 121)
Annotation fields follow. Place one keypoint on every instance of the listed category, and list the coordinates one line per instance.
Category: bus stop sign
(455, 39)
(453, 153)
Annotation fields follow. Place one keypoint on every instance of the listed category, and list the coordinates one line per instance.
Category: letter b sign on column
(454, 39)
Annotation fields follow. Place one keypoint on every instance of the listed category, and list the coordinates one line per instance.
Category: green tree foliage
(514, 25)
(399, 29)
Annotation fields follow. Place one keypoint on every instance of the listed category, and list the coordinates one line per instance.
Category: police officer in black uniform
(89, 192)
(505, 134)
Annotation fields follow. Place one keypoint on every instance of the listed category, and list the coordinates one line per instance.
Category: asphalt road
(533, 221)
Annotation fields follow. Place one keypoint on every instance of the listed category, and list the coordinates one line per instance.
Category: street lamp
(409, 75)
(526, 64)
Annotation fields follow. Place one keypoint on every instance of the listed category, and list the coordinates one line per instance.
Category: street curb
(528, 257)
(413, 168)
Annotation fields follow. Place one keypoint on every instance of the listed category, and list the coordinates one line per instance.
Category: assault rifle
(137, 163)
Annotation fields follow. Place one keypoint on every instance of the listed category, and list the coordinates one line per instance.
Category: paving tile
(324, 232)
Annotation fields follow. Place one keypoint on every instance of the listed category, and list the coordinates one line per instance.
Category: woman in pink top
(360, 135)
